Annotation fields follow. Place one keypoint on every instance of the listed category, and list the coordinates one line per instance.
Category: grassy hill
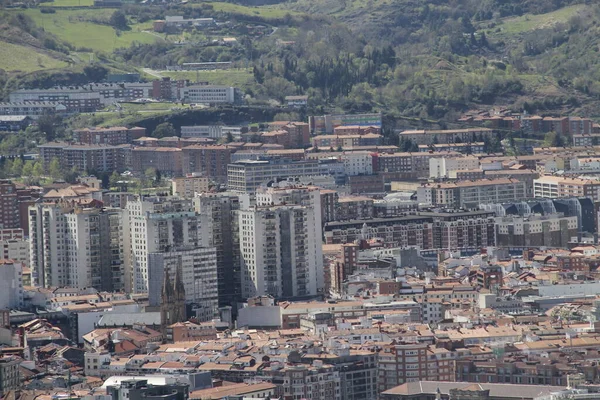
(89, 29)
(17, 58)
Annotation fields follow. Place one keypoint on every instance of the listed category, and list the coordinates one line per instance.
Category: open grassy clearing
(234, 77)
(16, 58)
(262, 11)
(70, 3)
(81, 29)
(531, 22)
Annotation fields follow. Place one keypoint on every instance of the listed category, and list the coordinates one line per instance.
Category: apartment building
(110, 136)
(346, 141)
(357, 370)
(464, 148)
(515, 372)
(460, 230)
(75, 99)
(426, 230)
(14, 246)
(84, 157)
(408, 165)
(9, 205)
(472, 193)
(523, 175)
(210, 161)
(318, 382)
(447, 136)
(167, 160)
(10, 376)
(220, 222)
(211, 131)
(198, 269)
(126, 91)
(168, 89)
(447, 167)
(187, 186)
(209, 94)
(553, 230)
(325, 124)
(354, 207)
(412, 230)
(357, 163)
(32, 109)
(76, 247)
(280, 251)
(248, 175)
(153, 225)
(412, 362)
(11, 284)
(586, 140)
(556, 187)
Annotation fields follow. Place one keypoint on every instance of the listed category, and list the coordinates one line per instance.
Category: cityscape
(299, 200)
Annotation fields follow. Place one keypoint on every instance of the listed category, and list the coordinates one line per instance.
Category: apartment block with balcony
(280, 251)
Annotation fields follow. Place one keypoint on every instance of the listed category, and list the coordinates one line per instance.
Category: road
(152, 72)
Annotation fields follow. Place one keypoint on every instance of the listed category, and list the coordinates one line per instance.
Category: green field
(70, 3)
(263, 11)
(530, 22)
(74, 26)
(235, 77)
(15, 58)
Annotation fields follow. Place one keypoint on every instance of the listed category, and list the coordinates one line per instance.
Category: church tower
(172, 308)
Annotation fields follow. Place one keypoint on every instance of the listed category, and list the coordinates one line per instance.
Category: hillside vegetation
(423, 59)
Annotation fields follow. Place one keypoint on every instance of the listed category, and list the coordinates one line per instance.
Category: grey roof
(13, 118)
(497, 390)
(128, 319)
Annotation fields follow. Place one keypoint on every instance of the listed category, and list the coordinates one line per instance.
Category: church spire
(178, 286)
(167, 289)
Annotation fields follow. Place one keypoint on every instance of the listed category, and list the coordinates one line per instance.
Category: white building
(13, 246)
(279, 251)
(188, 186)
(11, 284)
(209, 94)
(156, 225)
(199, 274)
(210, 131)
(446, 167)
(358, 163)
(76, 247)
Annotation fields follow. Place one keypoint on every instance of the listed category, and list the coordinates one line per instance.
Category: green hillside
(16, 58)
(88, 29)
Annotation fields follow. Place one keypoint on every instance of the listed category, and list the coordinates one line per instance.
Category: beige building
(472, 193)
(188, 186)
(447, 167)
(554, 187)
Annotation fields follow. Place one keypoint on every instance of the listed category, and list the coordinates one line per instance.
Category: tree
(49, 124)
(27, 171)
(157, 176)
(229, 137)
(553, 139)
(55, 170)
(118, 20)
(105, 181)
(166, 129)
(114, 179)
(95, 73)
(16, 168)
(38, 169)
(149, 176)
